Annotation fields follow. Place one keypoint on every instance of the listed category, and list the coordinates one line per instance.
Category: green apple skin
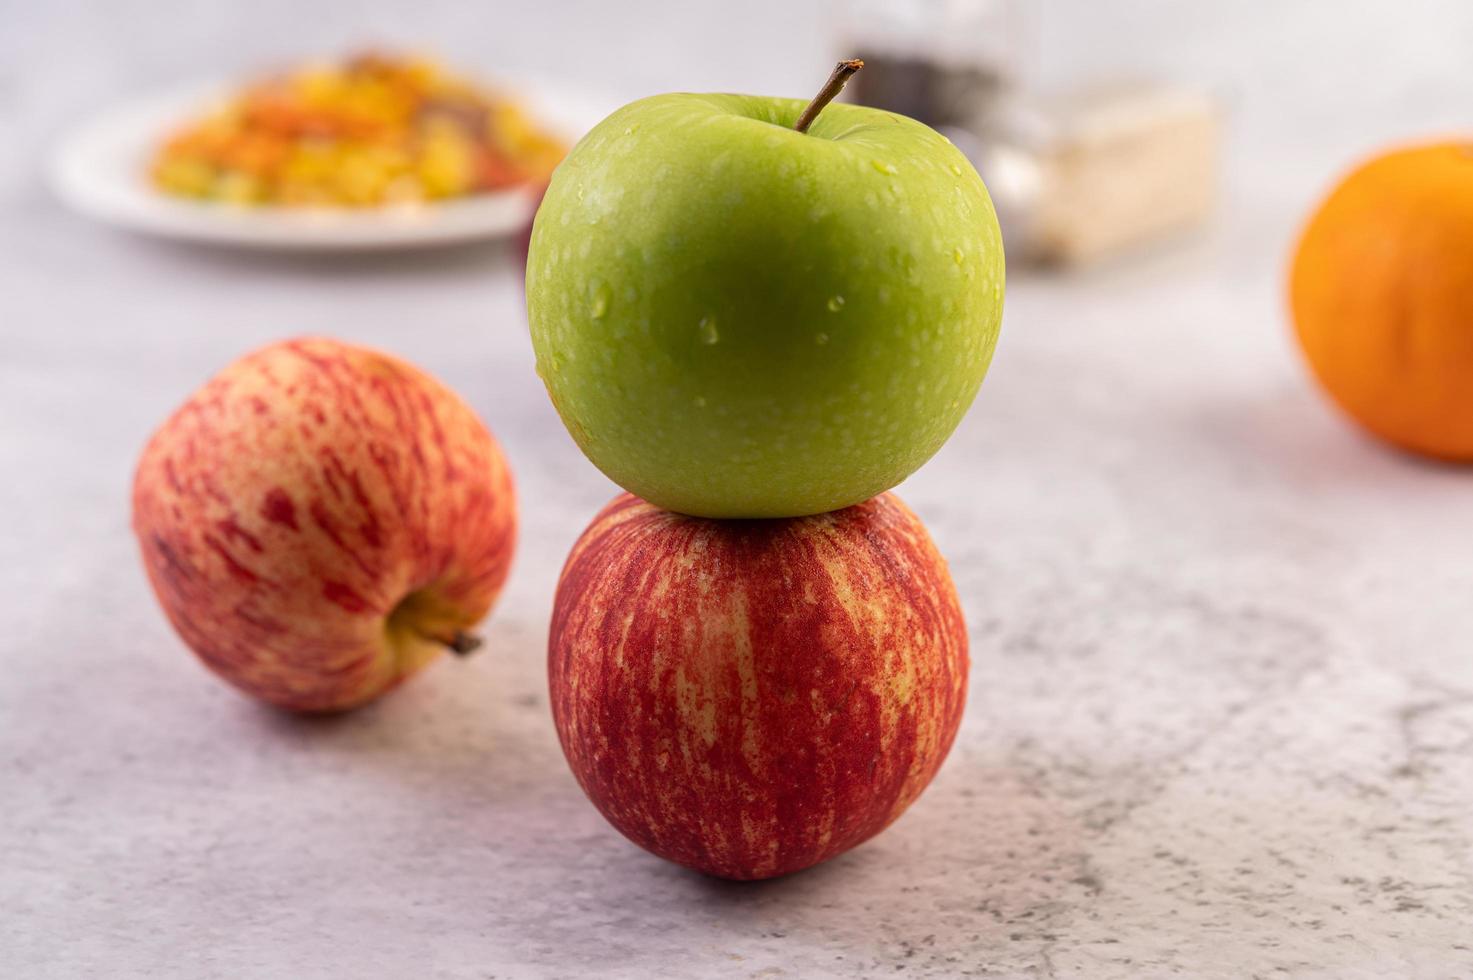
(735, 319)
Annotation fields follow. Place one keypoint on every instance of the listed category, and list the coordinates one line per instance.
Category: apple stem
(463, 643)
(831, 88)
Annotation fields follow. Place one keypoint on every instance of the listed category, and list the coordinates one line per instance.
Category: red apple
(320, 520)
(751, 697)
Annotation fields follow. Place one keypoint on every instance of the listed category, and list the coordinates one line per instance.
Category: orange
(1381, 291)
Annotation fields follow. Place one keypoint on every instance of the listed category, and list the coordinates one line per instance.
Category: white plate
(100, 170)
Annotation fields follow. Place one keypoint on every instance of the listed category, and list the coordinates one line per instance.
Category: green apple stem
(463, 643)
(831, 88)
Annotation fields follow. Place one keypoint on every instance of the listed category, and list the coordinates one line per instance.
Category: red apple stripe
(752, 697)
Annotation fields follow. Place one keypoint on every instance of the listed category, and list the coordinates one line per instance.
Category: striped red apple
(748, 698)
(320, 520)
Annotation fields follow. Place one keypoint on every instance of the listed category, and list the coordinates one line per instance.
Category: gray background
(1221, 721)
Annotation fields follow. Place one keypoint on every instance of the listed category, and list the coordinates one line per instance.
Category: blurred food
(1101, 170)
(1382, 295)
(374, 130)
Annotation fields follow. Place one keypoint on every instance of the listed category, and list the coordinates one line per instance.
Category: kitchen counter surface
(1221, 712)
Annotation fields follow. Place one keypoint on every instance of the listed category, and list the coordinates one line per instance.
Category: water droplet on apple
(600, 303)
(958, 256)
(884, 168)
(835, 304)
(821, 339)
(707, 327)
(956, 169)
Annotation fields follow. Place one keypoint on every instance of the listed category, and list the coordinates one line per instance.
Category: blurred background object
(1097, 170)
(373, 150)
(1381, 292)
(947, 63)
(62, 61)
(1100, 170)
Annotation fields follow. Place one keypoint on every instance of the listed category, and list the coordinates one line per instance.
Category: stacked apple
(757, 316)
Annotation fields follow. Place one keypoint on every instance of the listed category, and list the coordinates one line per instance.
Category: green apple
(738, 319)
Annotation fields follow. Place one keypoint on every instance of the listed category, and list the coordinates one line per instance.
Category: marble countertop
(1221, 720)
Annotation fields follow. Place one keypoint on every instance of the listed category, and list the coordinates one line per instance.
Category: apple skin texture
(735, 319)
(749, 698)
(320, 520)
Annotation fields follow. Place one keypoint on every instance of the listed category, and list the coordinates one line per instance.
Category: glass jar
(945, 62)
